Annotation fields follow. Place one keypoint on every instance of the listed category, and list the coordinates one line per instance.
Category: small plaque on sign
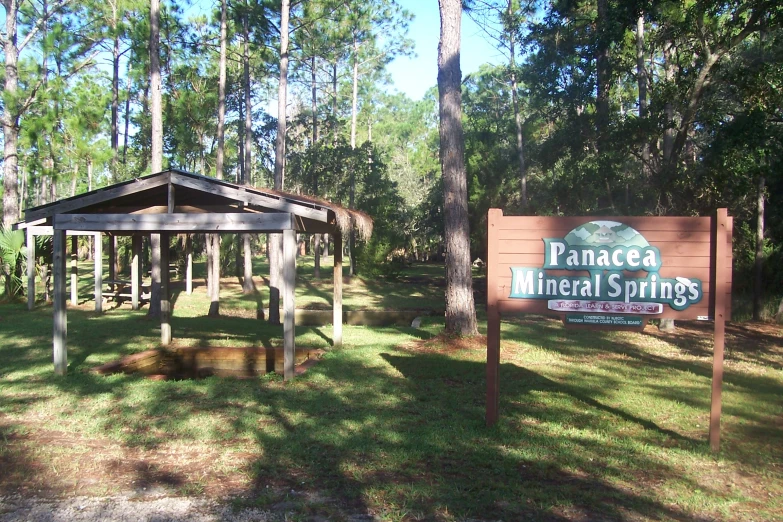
(604, 320)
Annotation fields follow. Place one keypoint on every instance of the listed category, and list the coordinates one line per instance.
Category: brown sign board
(608, 273)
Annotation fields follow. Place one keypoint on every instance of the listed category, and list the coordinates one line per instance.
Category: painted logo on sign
(606, 250)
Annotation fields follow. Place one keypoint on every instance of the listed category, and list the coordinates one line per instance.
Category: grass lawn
(594, 426)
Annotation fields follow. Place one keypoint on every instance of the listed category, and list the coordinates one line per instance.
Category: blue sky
(415, 75)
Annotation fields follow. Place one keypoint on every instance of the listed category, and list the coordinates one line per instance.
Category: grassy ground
(594, 426)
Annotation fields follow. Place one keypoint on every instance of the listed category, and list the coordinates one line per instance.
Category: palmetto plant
(12, 257)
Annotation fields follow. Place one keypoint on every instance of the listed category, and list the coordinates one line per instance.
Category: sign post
(609, 273)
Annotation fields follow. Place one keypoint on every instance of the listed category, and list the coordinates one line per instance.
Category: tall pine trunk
(758, 268)
(127, 113)
(334, 103)
(248, 103)
(641, 80)
(517, 114)
(460, 307)
(245, 255)
(352, 190)
(276, 240)
(115, 94)
(156, 95)
(314, 108)
(10, 117)
(603, 79)
(221, 133)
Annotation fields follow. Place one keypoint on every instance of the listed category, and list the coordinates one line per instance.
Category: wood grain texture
(96, 197)
(684, 244)
(231, 222)
(60, 322)
(337, 302)
(289, 320)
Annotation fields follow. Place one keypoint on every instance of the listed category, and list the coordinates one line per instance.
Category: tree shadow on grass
(415, 445)
(400, 435)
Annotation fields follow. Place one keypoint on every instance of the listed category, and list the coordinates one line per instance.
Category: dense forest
(603, 107)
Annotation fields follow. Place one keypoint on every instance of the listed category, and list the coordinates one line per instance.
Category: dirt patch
(447, 344)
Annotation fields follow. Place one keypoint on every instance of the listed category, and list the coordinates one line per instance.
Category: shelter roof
(177, 191)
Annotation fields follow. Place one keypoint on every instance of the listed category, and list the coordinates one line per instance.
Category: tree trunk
(314, 98)
(276, 240)
(221, 134)
(314, 104)
(667, 325)
(603, 78)
(352, 189)
(243, 239)
(127, 116)
(74, 179)
(758, 267)
(247, 278)
(460, 306)
(89, 175)
(241, 142)
(156, 94)
(248, 104)
(10, 117)
(517, 116)
(208, 248)
(641, 79)
(115, 92)
(668, 109)
(22, 190)
(238, 267)
(334, 103)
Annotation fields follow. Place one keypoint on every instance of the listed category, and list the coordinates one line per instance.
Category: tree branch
(704, 79)
(55, 8)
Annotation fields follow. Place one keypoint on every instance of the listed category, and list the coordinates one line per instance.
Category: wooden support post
(112, 245)
(493, 319)
(165, 302)
(337, 306)
(189, 264)
(719, 278)
(98, 273)
(74, 269)
(155, 276)
(135, 271)
(60, 315)
(289, 310)
(30, 269)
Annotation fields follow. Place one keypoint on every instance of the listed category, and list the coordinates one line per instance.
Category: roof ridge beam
(249, 196)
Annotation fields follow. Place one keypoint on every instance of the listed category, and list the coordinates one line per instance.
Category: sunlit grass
(594, 425)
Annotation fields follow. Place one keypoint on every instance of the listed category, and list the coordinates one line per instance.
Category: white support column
(98, 272)
(30, 269)
(337, 306)
(289, 310)
(165, 302)
(74, 270)
(60, 351)
(135, 271)
(189, 264)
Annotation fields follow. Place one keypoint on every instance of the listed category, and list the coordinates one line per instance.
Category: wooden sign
(607, 273)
